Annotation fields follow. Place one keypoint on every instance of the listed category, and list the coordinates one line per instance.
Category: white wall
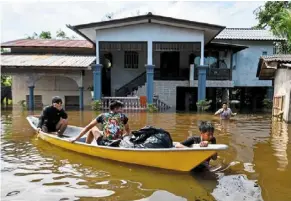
(148, 32)
(282, 86)
(49, 86)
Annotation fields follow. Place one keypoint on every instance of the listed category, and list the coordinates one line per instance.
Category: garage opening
(186, 98)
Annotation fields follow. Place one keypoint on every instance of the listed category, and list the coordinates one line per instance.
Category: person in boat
(53, 118)
(225, 112)
(206, 137)
(114, 126)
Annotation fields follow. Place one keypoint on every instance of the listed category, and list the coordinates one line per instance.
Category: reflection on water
(279, 143)
(35, 170)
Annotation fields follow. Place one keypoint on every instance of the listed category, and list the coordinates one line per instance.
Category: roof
(213, 29)
(148, 16)
(247, 34)
(269, 64)
(278, 57)
(46, 60)
(47, 43)
(235, 47)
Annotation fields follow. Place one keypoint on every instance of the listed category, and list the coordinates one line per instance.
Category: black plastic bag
(148, 137)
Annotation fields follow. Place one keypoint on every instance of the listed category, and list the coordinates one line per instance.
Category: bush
(96, 105)
(268, 104)
(151, 108)
(203, 105)
(22, 104)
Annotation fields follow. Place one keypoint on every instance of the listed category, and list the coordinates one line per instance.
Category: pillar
(150, 73)
(31, 98)
(97, 77)
(202, 53)
(150, 83)
(202, 82)
(81, 98)
(225, 96)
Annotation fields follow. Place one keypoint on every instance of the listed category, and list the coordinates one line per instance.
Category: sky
(22, 18)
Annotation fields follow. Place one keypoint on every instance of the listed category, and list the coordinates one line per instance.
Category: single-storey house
(278, 69)
(166, 60)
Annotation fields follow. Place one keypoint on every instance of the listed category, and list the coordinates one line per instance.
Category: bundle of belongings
(147, 137)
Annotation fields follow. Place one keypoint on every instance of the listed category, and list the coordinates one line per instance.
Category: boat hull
(183, 159)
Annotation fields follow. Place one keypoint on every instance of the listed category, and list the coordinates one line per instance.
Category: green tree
(275, 15)
(61, 34)
(283, 26)
(47, 35)
(5, 79)
(266, 13)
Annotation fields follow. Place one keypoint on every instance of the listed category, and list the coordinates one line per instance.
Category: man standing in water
(53, 118)
(225, 112)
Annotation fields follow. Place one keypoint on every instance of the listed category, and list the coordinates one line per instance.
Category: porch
(145, 48)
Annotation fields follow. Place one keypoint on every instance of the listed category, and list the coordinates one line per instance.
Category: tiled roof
(47, 43)
(267, 72)
(278, 57)
(247, 34)
(46, 60)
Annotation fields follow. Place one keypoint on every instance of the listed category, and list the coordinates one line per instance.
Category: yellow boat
(182, 159)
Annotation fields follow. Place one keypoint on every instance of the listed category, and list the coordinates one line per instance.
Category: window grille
(130, 59)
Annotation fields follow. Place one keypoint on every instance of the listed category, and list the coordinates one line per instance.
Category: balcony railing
(133, 103)
(215, 74)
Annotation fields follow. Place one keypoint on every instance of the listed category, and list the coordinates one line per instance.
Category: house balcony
(215, 74)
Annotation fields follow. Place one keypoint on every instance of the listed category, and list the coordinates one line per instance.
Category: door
(170, 63)
(106, 74)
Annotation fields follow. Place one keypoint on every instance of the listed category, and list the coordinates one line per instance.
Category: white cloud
(24, 18)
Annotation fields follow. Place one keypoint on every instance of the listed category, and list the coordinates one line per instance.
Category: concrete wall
(282, 86)
(49, 86)
(166, 90)
(244, 73)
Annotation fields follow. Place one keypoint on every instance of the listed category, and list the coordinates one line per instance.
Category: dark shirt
(50, 116)
(196, 140)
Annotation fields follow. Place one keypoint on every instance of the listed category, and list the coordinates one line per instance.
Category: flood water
(255, 167)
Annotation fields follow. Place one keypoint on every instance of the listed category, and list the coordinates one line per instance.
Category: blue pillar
(97, 77)
(31, 98)
(150, 83)
(270, 93)
(202, 82)
(81, 98)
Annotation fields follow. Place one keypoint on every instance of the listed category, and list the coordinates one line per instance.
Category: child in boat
(206, 136)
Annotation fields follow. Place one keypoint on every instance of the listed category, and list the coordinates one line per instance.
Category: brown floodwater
(255, 167)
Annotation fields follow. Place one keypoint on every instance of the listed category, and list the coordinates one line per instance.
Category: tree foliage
(276, 16)
(5, 79)
(60, 34)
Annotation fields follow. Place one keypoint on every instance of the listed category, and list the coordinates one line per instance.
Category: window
(265, 53)
(37, 101)
(130, 59)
